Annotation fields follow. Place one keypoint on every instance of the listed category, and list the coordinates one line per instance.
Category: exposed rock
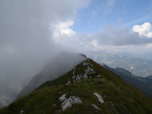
(98, 76)
(21, 112)
(99, 97)
(78, 77)
(87, 64)
(96, 107)
(89, 70)
(68, 82)
(87, 73)
(73, 78)
(68, 102)
(85, 76)
(62, 98)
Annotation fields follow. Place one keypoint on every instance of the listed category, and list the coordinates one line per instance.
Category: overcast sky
(36, 30)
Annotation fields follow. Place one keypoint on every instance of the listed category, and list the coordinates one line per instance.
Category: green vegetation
(142, 84)
(119, 97)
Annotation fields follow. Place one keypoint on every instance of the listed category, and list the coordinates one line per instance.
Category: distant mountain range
(137, 66)
(79, 87)
(142, 84)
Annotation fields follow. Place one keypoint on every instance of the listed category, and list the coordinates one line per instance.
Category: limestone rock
(96, 107)
(99, 97)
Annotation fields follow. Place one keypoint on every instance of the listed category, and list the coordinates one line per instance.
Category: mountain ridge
(90, 83)
(144, 84)
(54, 68)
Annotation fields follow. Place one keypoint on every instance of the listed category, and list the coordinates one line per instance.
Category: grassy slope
(125, 98)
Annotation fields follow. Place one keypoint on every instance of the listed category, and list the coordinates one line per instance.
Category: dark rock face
(54, 68)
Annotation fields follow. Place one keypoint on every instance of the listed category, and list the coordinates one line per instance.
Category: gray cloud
(111, 35)
(26, 31)
(119, 36)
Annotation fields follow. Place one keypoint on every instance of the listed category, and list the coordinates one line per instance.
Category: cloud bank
(111, 35)
(120, 36)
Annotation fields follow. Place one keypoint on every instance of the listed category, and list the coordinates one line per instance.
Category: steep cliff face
(54, 68)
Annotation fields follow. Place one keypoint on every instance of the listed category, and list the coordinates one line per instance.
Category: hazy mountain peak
(54, 68)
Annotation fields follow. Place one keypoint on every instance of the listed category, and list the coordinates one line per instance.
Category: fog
(26, 33)
(54, 68)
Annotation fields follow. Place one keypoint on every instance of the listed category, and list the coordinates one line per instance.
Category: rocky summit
(86, 88)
